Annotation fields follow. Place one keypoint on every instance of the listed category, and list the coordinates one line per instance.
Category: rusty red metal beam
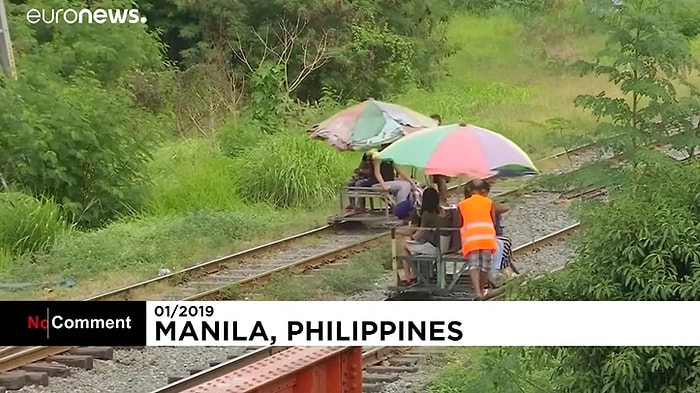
(295, 370)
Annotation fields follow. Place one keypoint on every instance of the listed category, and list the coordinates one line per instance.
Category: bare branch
(240, 53)
(312, 59)
(286, 44)
(3, 182)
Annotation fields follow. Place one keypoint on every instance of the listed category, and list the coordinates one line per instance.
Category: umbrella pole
(394, 264)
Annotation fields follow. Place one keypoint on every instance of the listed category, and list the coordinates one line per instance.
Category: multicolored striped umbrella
(369, 124)
(462, 149)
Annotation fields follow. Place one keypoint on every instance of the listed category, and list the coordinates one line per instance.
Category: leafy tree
(648, 59)
(403, 40)
(645, 243)
(642, 245)
(70, 128)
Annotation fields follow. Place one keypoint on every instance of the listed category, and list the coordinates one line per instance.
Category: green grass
(29, 224)
(291, 171)
(209, 199)
(360, 273)
(189, 175)
(487, 370)
(500, 80)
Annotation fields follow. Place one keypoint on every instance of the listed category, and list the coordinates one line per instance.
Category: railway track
(34, 365)
(377, 371)
(236, 273)
(243, 271)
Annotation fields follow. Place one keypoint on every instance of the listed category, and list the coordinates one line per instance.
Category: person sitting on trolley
(425, 241)
(391, 178)
(362, 177)
(382, 174)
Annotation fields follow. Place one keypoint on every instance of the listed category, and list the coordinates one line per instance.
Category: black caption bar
(58, 323)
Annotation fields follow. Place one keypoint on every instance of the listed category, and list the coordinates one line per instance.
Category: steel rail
(14, 357)
(203, 267)
(20, 356)
(300, 265)
(372, 356)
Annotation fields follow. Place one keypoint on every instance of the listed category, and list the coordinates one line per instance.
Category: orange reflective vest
(478, 231)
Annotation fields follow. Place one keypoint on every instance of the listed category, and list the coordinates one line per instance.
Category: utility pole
(7, 60)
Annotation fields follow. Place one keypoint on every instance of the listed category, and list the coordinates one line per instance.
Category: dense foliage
(648, 59)
(80, 122)
(644, 244)
(403, 40)
(641, 245)
(94, 102)
(70, 129)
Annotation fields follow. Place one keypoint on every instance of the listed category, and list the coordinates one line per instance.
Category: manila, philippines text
(236, 324)
(381, 323)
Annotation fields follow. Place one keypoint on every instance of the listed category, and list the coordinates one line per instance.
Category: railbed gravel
(143, 370)
(531, 217)
(581, 158)
(136, 370)
(417, 382)
(536, 215)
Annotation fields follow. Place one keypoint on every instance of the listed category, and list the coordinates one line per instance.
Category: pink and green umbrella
(369, 124)
(455, 150)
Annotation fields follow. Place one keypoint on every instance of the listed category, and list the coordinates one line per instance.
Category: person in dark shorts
(440, 181)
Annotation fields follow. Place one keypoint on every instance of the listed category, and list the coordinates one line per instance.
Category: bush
(76, 142)
(290, 171)
(489, 370)
(191, 176)
(644, 245)
(28, 224)
(70, 128)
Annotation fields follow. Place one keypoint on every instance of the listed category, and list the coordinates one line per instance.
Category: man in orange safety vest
(478, 234)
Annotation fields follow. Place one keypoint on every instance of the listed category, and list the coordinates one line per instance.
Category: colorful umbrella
(462, 149)
(369, 124)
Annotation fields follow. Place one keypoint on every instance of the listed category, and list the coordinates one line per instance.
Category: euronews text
(71, 16)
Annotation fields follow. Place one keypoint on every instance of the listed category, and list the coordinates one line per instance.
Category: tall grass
(289, 170)
(28, 224)
(192, 175)
(207, 199)
(238, 135)
(145, 245)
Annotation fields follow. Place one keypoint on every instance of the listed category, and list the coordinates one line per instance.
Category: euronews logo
(71, 16)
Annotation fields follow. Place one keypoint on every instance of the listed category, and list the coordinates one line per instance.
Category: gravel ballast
(143, 370)
(137, 370)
